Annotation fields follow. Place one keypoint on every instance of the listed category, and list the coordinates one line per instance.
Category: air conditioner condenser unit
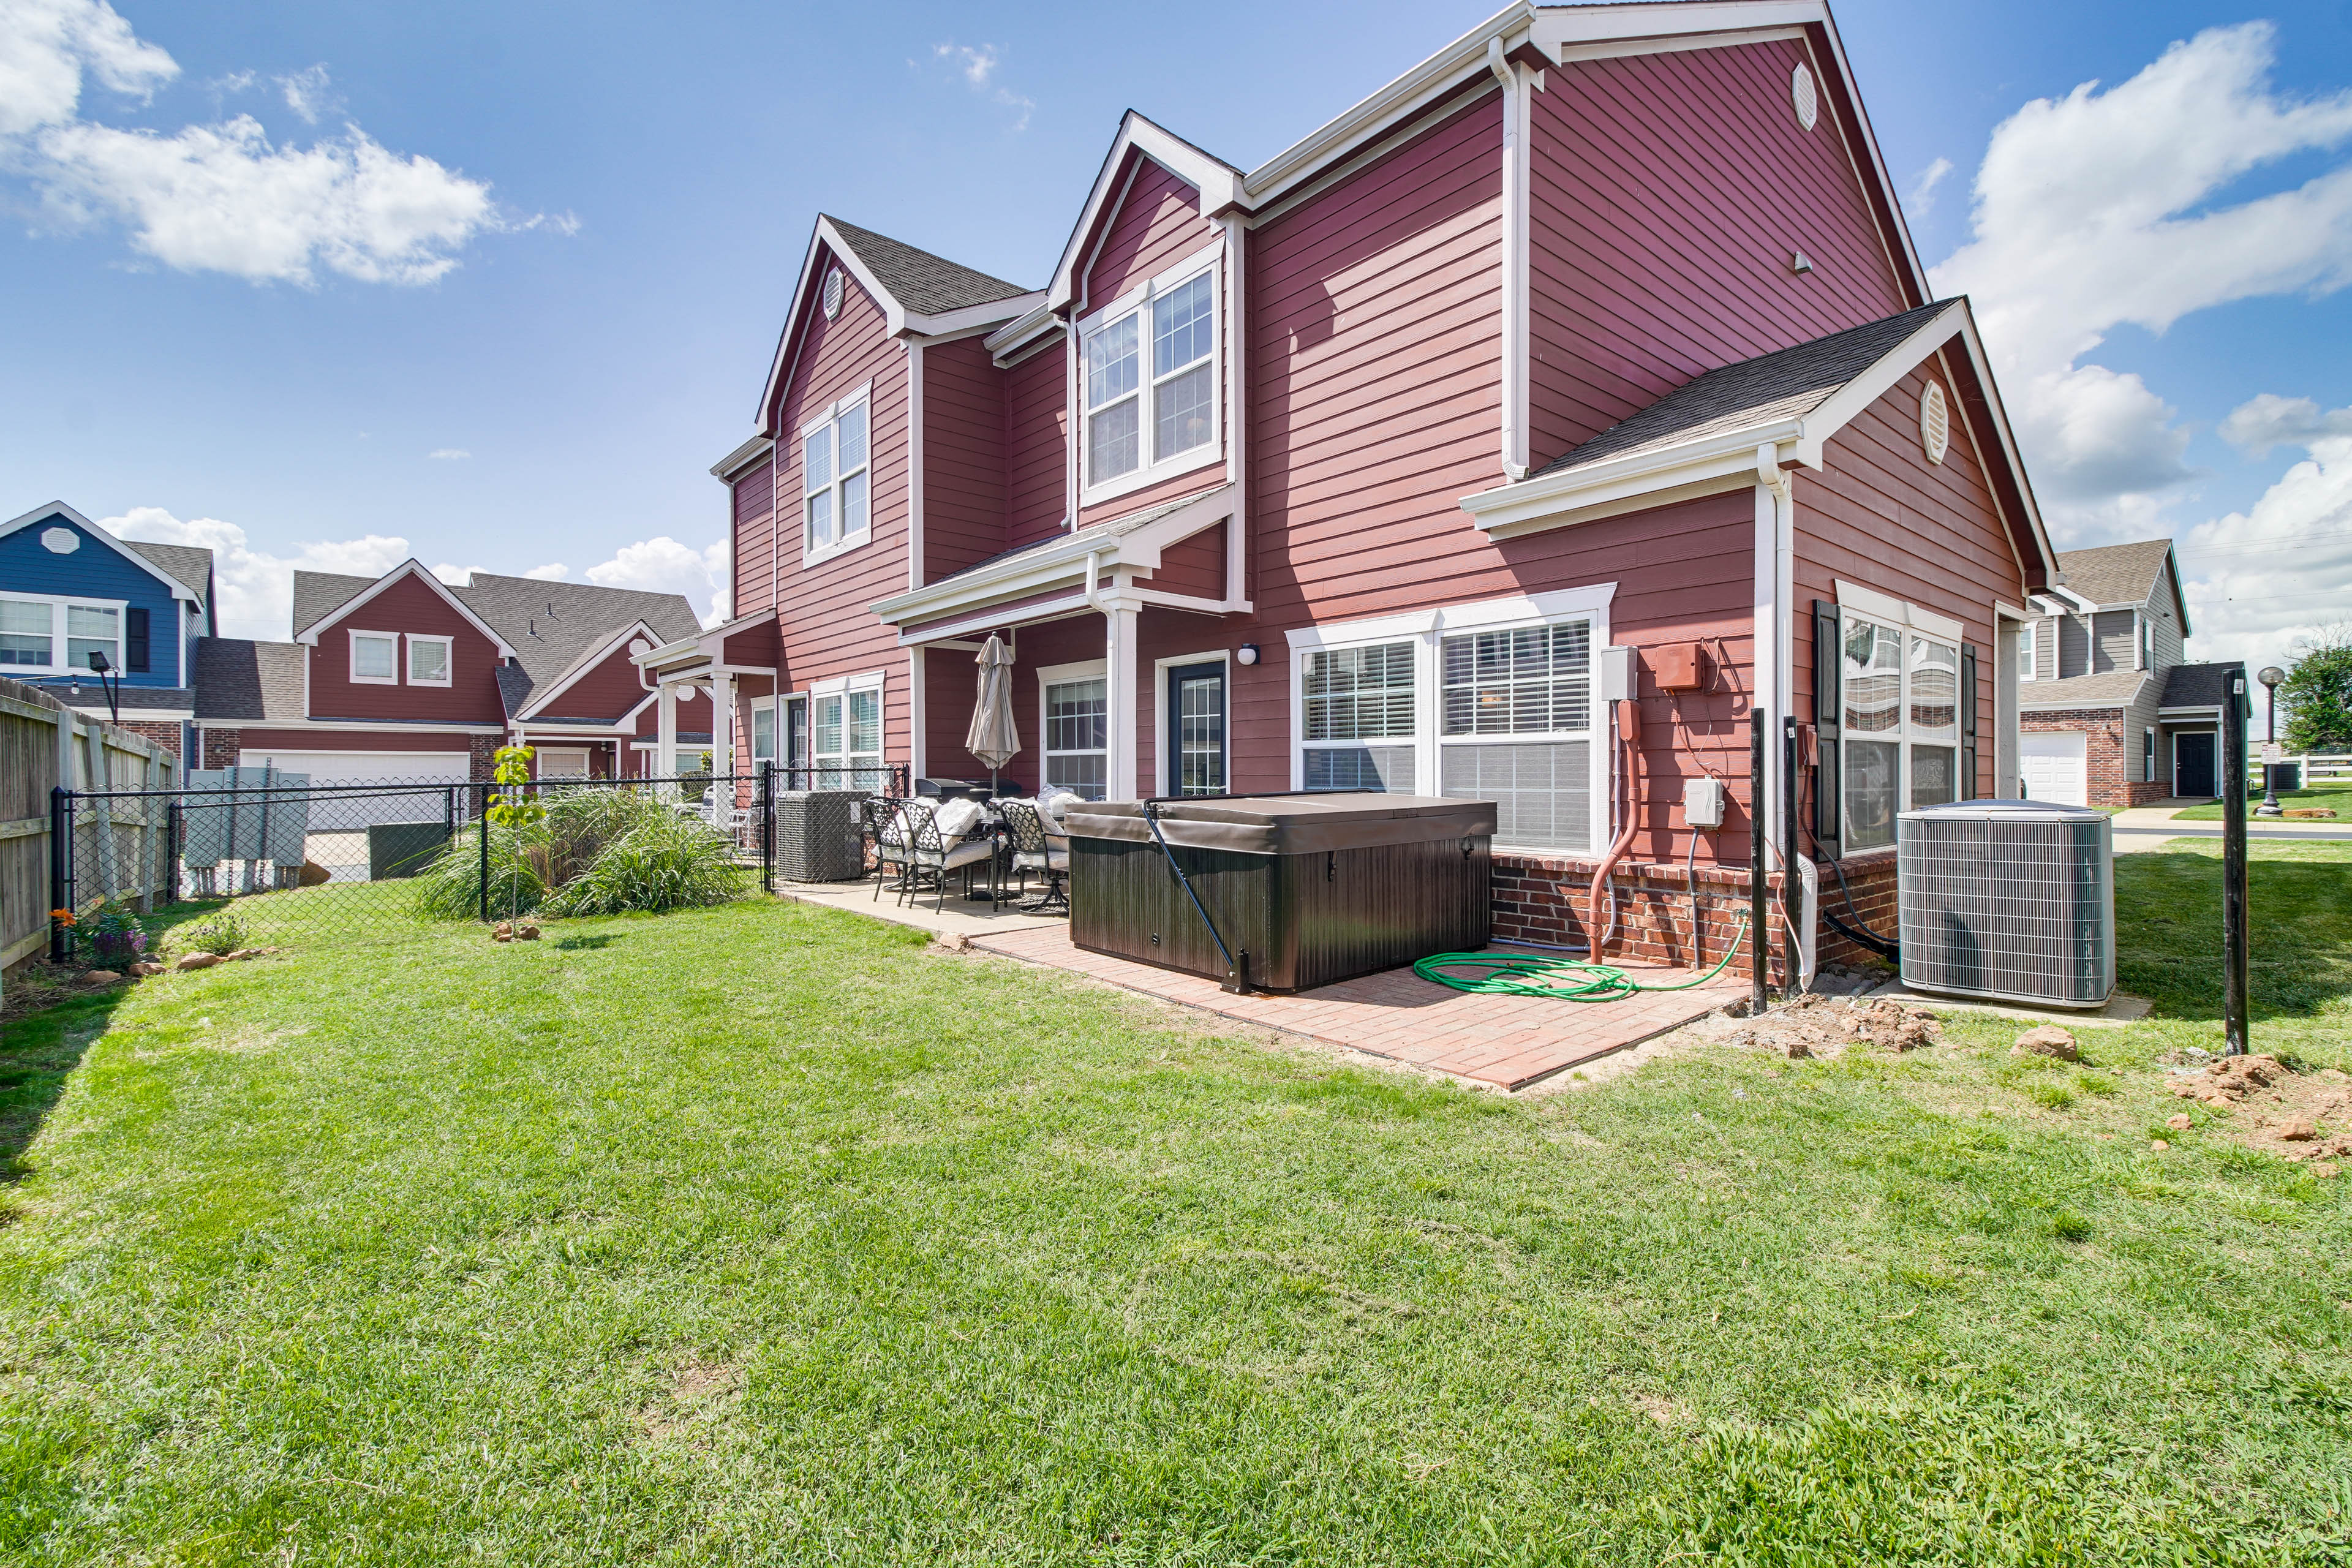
(2010, 900)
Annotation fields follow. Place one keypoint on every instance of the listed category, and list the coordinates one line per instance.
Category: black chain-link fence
(256, 857)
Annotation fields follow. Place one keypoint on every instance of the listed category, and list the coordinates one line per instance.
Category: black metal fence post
(1792, 886)
(1760, 924)
(767, 827)
(60, 872)
(482, 885)
(2233, 867)
(172, 851)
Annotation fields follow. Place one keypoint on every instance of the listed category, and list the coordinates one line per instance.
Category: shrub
(223, 933)
(663, 861)
(116, 938)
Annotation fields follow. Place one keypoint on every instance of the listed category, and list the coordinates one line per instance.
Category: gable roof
(137, 555)
(1219, 182)
(2120, 575)
(918, 293)
(308, 634)
(237, 678)
(190, 565)
(551, 627)
(317, 595)
(2199, 685)
(1767, 390)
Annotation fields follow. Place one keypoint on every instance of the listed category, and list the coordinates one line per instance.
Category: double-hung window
(1357, 713)
(1901, 726)
(2027, 668)
(428, 659)
(763, 732)
(1078, 731)
(33, 630)
(848, 738)
(1516, 727)
(375, 658)
(836, 475)
(1149, 375)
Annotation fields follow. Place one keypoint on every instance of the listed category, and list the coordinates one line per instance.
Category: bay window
(1149, 379)
(1078, 731)
(836, 478)
(1359, 718)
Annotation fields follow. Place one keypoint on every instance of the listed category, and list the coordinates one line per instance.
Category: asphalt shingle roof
(2108, 689)
(2199, 685)
(317, 595)
(1786, 384)
(552, 625)
(2115, 574)
(190, 565)
(923, 282)
(237, 678)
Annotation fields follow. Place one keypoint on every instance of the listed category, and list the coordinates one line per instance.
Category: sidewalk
(2146, 828)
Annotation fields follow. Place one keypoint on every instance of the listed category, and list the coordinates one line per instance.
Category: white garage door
(2054, 769)
(433, 771)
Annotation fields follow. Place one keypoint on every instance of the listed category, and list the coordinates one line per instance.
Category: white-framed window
(430, 659)
(845, 738)
(42, 632)
(2148, 756)
(2027, 663)
(1900, 726)
(1492, 701)
(375, 658)
(836, 478)
(763, 732)
(2146, 627)
(1073, 707)
(1149, 380)
(1360, 717)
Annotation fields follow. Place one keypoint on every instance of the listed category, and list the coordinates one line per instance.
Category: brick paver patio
(1511, 1042)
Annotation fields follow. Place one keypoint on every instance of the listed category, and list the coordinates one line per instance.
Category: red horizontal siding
(1157, 224)
(964, 457)
(753, 504)
(252, 740)
(408, 605)
(1668, 193)
(606, 692)
(1195, 565)
(1036, 446)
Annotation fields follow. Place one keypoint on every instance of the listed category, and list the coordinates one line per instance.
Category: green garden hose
(1561, 979)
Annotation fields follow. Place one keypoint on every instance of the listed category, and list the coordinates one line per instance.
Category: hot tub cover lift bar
(1236, 973)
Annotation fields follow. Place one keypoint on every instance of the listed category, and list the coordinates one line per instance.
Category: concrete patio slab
(958, 917)
(1509, 1043)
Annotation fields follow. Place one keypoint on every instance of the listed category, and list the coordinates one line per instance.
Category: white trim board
(411, 567)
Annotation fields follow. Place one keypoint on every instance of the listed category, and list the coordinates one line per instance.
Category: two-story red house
(404, 677)
(1597, 330)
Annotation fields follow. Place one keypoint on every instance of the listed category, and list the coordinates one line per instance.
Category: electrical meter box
(1617, 675)
(1703, 804)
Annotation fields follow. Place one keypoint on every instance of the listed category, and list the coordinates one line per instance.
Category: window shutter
(134, 640)
(1967, 780)
(1829, 707)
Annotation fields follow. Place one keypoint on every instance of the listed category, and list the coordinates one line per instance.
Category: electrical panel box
(1703, 804)
(1678, 666)
(1617, 675)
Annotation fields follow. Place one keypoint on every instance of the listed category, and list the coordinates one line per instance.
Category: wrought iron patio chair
(935, 854)
(1036, 848)
(883, 827)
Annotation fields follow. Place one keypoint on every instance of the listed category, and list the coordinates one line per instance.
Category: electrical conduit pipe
(1628, 736)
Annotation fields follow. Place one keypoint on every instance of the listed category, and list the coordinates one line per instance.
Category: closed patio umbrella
(993, 738)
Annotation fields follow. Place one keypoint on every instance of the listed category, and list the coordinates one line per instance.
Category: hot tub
(1306, 889)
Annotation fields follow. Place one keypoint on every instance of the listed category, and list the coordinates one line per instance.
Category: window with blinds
(1354, 699)
(1514, 727)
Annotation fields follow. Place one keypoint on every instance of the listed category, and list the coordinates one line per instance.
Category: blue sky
(599, 325)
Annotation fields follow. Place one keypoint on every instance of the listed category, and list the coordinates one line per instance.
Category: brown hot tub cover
(1288, 824)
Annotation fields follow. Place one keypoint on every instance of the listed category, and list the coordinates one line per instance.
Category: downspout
(1800, 892)
(1513, 267)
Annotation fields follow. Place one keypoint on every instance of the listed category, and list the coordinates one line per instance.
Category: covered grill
(1305, 890)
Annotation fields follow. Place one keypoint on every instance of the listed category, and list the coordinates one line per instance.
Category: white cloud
(449, 454)
(47, 45)
(1923, 189)
(257, 588)
(306, 93)
(2281, 569)
(223, 197)
(663, 565)
(978, 68)
(553, 571)
(2098, 210)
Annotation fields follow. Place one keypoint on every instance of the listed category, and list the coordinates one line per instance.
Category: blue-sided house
(71, 593)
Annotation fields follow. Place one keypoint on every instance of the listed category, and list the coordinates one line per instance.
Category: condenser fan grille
(2010, 899)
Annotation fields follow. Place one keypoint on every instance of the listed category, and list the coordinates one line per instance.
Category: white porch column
(666, 732)
(1127, 700)
(723, 758)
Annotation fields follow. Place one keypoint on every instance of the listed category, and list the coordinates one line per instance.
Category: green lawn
(2334, 796)
(760, 1234)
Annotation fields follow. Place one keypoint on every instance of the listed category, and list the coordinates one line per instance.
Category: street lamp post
(2270, 678)
(99, 667)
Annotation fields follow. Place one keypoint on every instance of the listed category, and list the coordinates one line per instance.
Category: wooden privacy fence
(43, 745)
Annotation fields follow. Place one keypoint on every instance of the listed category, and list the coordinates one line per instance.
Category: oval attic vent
(832, 293)
(1801, 94)
(1935, 423)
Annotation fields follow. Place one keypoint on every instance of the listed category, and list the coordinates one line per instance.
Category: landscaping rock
(2297, 1129)
(1798, 1049)
(198, 961)
(2158, 1144)
(241, 954)
(312, 874)
(1891, 1026)
(2047, 1040)
(146, 966)
(99, 977)
(2181, 1123)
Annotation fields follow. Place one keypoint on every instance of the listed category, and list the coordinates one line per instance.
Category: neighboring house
(70, 590)
(1597, 330)
(2111, 715)
(404, 677)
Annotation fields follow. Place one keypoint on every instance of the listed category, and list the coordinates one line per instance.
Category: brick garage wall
(162, 732)
(2108, 760)
(220, 748)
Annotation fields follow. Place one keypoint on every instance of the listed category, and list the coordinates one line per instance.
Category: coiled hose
(1560, 979)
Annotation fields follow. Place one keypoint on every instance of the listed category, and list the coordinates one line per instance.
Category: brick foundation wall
(1542, 900)
(2108, 758)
